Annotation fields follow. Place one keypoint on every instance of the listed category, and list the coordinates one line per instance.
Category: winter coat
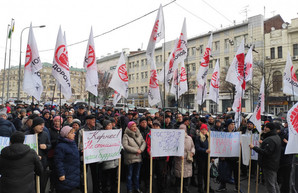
(201, 147)
(81, 117)
(106, 165)
(188, 147)
(17, 166)
(132, 141)
(79, 134)
(67, 162)
(269, 152)
(6, 128)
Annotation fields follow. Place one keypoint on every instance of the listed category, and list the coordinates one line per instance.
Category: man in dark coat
(18, 163)
(6, 127)
(269, 156)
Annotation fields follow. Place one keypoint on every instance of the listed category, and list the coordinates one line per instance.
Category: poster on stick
(224, 144)
(167, 142)
(102, 145)
(29, 140)
(245, 141)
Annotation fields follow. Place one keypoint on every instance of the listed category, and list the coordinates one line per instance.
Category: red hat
(204, 126)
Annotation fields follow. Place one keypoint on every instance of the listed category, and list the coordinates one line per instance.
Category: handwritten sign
(245, 141)
(29, 140)
(167, 142)
(224, 144)
(102, 145)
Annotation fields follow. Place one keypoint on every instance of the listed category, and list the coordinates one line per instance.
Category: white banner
(292, 118)
(102, 145)
(290, 82)
(167, 142)
(29, 140)
(245, 141)
(224, 144)
(214, 84)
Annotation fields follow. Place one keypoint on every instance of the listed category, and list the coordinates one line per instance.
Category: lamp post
(20, 60)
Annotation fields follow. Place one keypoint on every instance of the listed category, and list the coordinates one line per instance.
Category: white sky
(77, 16)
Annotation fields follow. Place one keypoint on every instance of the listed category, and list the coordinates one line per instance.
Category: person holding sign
(133, 144)
(189, 152)
(18, 163)
(67, 162)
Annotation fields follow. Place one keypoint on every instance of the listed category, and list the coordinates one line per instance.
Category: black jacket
(6, 128)
(201, 148)
(17, 166)
(269, 152)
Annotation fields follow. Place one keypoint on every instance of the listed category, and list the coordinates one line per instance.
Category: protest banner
(245, 140)
(29, 140)
(167, 142)
(102, 145)
(224, 144)
(4, 141)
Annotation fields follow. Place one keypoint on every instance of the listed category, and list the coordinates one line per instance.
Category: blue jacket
(67, 163)
(201, 148)
(6, 128)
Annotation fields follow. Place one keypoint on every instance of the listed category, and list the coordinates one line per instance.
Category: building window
(187, 51)
(137, 77)
(211, 64)
(129, 77)
(201, 49)
(277, 81)
(227, 43)
(187, 67)
(272, 53)
(227, 62)
(160, 58)
(279, 51)
(295, 49)
(142, 89)
(238, 40)
(216, 45)
(146, 74)
(137, 89)
(142, 62)
(146, 89)
(194, 67)
(193, 51)
(142, 75)
(156, 59)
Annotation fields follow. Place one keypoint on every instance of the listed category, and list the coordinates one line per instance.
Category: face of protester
(133, 128)
(81, 111)
(218, 124)
(211, 120)
(129, 116)
(4, 117)
(23, 114)
(109, 126)
(38, 128)
(204, 131)
(143, 124)
(156, 126)
(69, 119)
(91, 122)
(231, 127)
(29, 122)
(57, 123)
(53, 113)
(250, 126)
(75, 126)
(157, 114)
(47, 116)
(71, 135)
(149, 122)
(167, 120)
(266, 130)
(186, 123)
(179, 118)
(113, 124)
(148, 115)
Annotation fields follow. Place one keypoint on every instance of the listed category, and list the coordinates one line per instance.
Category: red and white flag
(290, 82)
(32, 83)
(204, 66)
(119, 81)
(292, 118)
(91, 67)
(214, 84)
(175, 84)
(201, 93)
(260, 108)
(183, 88)
(248, 64)
(156, 35)
(60, 68)
(237, 108)
(117, 97)
(235, 73)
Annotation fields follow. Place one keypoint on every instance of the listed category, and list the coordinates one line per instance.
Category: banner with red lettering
(224, 144)
(290, 82)
(102, 145)
(292, 118)
(214, 84)
(183, 88)
(260, 108)
(60, 68)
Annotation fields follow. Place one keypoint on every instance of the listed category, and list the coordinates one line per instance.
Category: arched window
(277, 81)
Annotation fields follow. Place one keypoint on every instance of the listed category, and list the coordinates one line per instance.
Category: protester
(18, 164)
(6, 127)
(76, 124)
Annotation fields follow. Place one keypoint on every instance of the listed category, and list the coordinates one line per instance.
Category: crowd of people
(60, 150)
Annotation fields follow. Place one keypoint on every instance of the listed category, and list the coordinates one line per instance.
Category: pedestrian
(18, 164)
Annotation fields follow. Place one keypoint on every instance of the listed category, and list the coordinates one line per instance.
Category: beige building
(49, 89)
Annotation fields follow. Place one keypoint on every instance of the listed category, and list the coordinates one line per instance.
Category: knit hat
(17, 137)
(106, 123)
(90, 117)
(37, 121)
(203, 126)
(77, 121)
(271, 126)
(65, 130)
(229, 121)
(249, 121)
(130, 124)
(57, 118)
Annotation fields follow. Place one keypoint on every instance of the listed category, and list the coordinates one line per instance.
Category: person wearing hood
(217, 126)
(6, 127)
(18, 164)
(269, 156)
(67, 162)
(133, 144)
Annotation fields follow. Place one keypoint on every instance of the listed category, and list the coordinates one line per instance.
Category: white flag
(292, 118)
(183, 88)
(237, 108)
(256, 117)
(214, 84)
(91, 67)
(201, 94)
(248, 65)
(117, 97)
(60, 68)
(119, 81)
(290, 80)
(32, 83)
(156, 35)
(203, 70)
(175, 83)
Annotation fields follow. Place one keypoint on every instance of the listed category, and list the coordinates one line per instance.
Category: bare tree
(104, 90)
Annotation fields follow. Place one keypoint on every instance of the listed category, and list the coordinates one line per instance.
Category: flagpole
(164, 79)
(188, 103)
(60, 108)
(9, 58)
(53, 95)
(89, 101)
(4, 70)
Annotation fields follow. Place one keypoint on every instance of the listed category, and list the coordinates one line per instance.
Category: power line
(118, 27)
(218, 11)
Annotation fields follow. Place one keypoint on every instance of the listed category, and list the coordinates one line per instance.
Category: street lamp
(20, 61)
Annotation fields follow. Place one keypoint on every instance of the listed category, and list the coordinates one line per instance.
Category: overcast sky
(76, 18)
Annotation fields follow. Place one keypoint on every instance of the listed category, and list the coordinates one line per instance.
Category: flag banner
(102, 145)
(237, 108)
(245, 141)
(290, 82)
(224, 144)
(60, 68)
(167, 142)
(119, 81)
(249, 65)
(204, 66)
(182, 80)
(292, 118)
(29, 140)
(91, 66)
(260, 108)
(32, 83)
(201, 94)
(214, 84)
(117, 97)
(175, 83)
